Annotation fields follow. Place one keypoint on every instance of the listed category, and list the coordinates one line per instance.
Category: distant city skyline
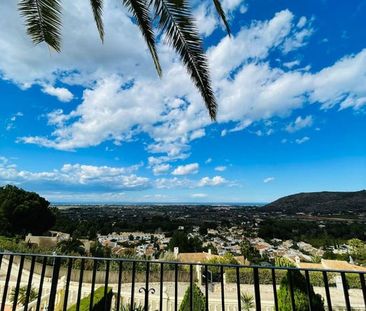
(95, 124)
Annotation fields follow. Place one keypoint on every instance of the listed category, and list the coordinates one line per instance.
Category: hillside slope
(321, 202)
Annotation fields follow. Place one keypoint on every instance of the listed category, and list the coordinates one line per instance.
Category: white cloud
(220, 168)
(78, 175)
(268, 180)
(161, 169)
(199, 195)
(209, 160)
(300, 123)
(63, 94)
(214, 181)
(186, 169)
(292, 64)
(249, 88)
(175, 182)
(300, 141)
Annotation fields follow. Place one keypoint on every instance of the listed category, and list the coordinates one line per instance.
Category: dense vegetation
(327, 234)
(198, 300)
(300, 294)
(23, 212)
(99, 301)
(321, 202)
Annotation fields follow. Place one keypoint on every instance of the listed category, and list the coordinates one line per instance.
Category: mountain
(321, 202)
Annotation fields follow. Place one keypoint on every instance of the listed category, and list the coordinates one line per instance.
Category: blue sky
(96, 124)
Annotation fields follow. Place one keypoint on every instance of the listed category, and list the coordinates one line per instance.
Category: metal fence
(46, 282)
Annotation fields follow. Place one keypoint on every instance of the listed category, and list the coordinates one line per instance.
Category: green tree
(249, 252)
(174, 18)
(247, 301)
(300, 294)
(22, 295)
(198, 299)
(185, 244)
(23, 212)
(72, 246)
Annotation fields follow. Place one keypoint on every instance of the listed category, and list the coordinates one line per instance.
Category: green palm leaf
(140, 10)
(97, 7)
(43, 21)
(176, 21)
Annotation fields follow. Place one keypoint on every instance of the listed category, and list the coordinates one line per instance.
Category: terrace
(44, 282)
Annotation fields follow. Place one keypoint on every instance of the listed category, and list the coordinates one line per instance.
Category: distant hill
(321, 202)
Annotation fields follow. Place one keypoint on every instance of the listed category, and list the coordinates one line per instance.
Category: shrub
(300, 294)
(98, 301)
(199, 300)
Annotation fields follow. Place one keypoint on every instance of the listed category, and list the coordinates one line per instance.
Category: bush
(300, 294)
(98, 301)
(199, 300)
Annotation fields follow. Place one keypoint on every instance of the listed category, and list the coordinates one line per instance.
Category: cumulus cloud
(63, 94)
(214, 181)
(186, 169)
(268, 180)
(161, 169)
(77, 175)
(220, 168)
(299, 124)
(123, 98)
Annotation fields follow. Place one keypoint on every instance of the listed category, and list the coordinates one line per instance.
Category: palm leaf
(140, 10)
(43, 21)
(221, 13)
(176, 21)
(97, 7)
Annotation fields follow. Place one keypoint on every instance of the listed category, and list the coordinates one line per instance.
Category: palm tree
(247, 301)
(173, 17)
(23, 294)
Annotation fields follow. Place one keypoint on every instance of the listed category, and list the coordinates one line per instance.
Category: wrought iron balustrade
(46, 282)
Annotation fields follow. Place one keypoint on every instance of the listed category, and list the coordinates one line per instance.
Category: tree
(22, 295)
(300, 293)
(72, 246)
(174, 18)
(247, 301)
(180, 239)
(198, 299)
(23, 212)
(249, 252)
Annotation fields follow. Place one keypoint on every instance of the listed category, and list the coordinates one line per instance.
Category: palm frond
(177, 23)
(140, 10)
(222, 15)
(97, 7)
(43, 21)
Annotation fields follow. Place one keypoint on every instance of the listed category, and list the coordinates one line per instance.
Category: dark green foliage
(300, 294)
(249, 252)
(22, 295)
(320, 202)
(23, 212)
(99, 301)
(199, 300)
(43, 21)
(185, 244)
(71, 247)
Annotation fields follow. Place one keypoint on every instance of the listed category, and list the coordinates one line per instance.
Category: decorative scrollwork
(143, 289)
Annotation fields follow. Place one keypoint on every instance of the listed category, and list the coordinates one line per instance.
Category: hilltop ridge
(322, 202)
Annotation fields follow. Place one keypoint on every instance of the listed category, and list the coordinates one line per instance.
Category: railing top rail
(6, 253)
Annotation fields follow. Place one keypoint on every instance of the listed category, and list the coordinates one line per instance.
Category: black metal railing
(44, 282)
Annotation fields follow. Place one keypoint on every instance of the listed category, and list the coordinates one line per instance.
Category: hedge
(98, 301)
(199, 300)
(265, 277)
